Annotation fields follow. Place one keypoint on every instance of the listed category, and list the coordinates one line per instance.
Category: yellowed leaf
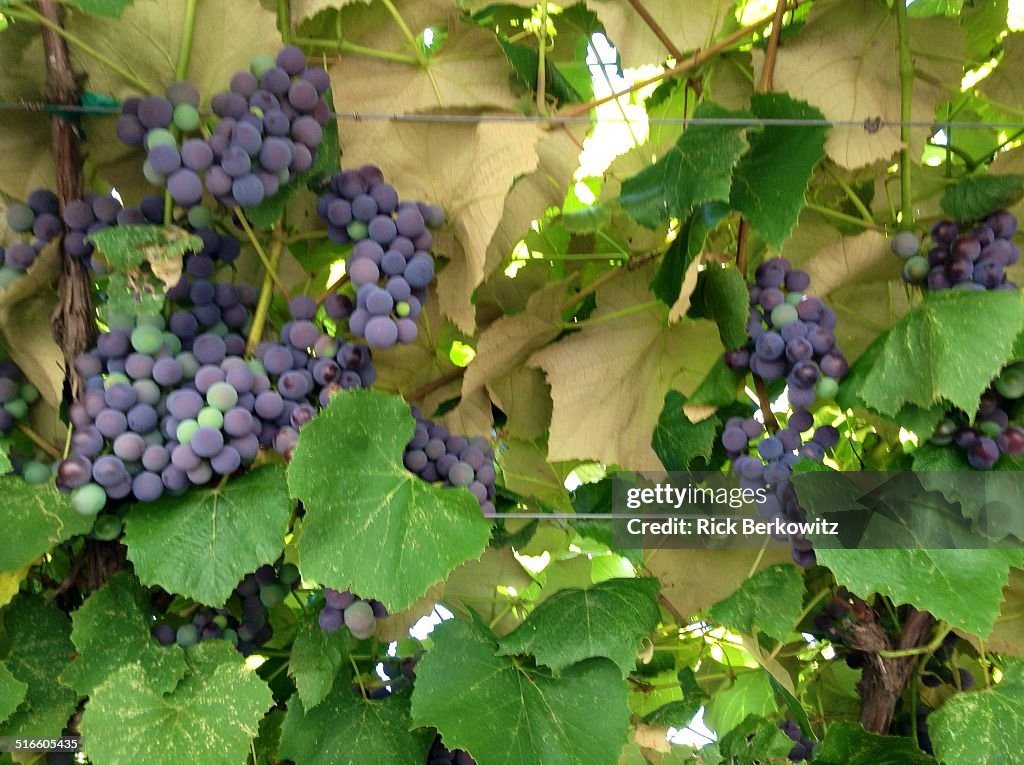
(1008, 634)
(689, 25)
(845, 62)
(24, 136)
(621, 368)
(652, 737)
(467, 169)
(469, 70)
(525, 397)
(526, 471)
(474, 585)
(1004, 86)
(10, 582)
(155, 29)
(472, 416)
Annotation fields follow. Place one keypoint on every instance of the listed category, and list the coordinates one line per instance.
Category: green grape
(107, 528)
(186, 117)
(160, 137)
(35, 472)
(88, 499)
(200, 217)
(260, 64)
(289, 574)
(28, 393)
(116, 377)
(186, 429)
(147, 340)
(827, 388)
(356, 230)
(402, 309)
(210, 418)
(17, 408)
(272, 595)
(188, 635)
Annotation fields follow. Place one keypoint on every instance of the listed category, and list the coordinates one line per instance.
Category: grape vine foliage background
(325, 328)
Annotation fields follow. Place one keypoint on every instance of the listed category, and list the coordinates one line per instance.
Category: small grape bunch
(38, 222)
(16, 396)
(439, 754)
(358, 615)
(996, 429)
(962, 256)
(390, 266)
(802, 746)
(433, 454)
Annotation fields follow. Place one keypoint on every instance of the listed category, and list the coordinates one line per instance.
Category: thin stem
(343, 46)
(655, 27)
(359, 679)
(906, 93)
(694, 61)
(930, 647)
(772, 51)
(604, 278)
(433, 385)
(766, 407)
(25, 13)
(614, 315)
(301, 604)
(542, 64)
(251, 235)
(39, 441)
(67, 444)
(850, 193)
(266, 295)
(836, 215)
(409, 36)
(187, 32)
(284, 21)
(759, 558)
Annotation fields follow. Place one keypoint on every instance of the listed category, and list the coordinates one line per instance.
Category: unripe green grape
(152, 320)
(107, 527)
(8, 276)
(260, 64)
(186, 117)
(783, 314)
(114, 378)
(187, 635)
(28, 393)
(35, 472)
(289, 574)
(916, 269)
(147, 340)
(989, 428)
(356, 230)
(17, 408)
(272, 595)
(173, 343)
(906, 244)
(121, 321)
(221, 621)
(794, 298)
(151, 175)
(88, 499)
(160, 137)
(186, 429)
(200, 217)
(230, 635)
(827, 388)
(1011, 382)
(210, 418)
(402, 309)
(360, 620)
(222, 396)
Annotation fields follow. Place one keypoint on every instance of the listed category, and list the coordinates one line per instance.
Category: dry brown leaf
(689, 25)
(467, 169)
(652, 737)
(621, 368)
(472, 416)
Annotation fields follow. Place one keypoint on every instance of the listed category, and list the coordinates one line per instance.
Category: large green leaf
(34, 519)
(211, 716)
(755, 741)
(771, 179)
(979, 195)
(346, 729)
(38, 648)
(12, 692)
(962, 587)
(751, 694)
(111, 629)
(110, 8)
(371, 525)
(770, 601)
(849, 744)
(609, 619)
(678, 441)
(202, 543)
(500, 711)
(993, 717)
(722, 295)
(697, 169)
(935, 353)
(315, 660)
(687, 245)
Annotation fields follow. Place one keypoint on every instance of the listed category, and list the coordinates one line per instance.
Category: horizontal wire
(869, 124)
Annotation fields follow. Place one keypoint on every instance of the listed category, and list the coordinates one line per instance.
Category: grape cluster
(802, 746)
(39, 223)
(439, 754)
(269, 126)
(309, 367)
(390, 265)
(902, 727)
(998, 426)
(16, 396)
(359, 616)
(790, 337)
(257, 593)
(962, 257)
(435, 455)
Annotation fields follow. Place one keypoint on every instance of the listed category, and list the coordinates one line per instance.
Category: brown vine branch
(72, 320)
(698, 58)
(884, 679)
(655, 27)
(435, 384)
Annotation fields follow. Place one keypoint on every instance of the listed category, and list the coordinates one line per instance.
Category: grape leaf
(751, 694)
(202, 543)
(770, 601)
(978, 195)
(305, 9)
(848, 743)
(771, 179)
(315, 660)
(933, 352)
(499, 711)
(111, 9)
(38, 647)
(622, 368)
(370, 524)
(722, 296)
(525, 60)
(12, 692)
(34, 519)
(995, 718)
(126, 247)
(845, 63)
(1007, 637)
(345, 729)
(667, 284)
(962, 587)
(693, 25)
(211, 715)
(755, 741)
(24, 136)
(697, 169)
(607, 620)
(677, 440)
(1002, 87)
(10, 583)
(111, 629)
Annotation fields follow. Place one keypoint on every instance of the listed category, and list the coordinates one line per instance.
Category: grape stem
(39, 441)
(359, 679)
(284, 21)
(655, 27)
(766, 405)
(906, 93)
(842, 217)
(850, 193)
(23, 12)
(254, 240)
(343, 46)
(266, 293)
